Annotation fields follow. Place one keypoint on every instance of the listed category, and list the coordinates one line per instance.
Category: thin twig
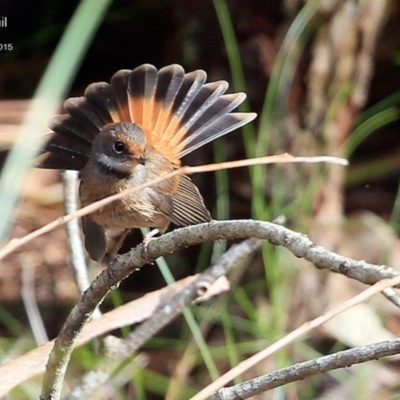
(295, 334)
(297, 372)
(70, 185)
(30, 303)
(15, 243)
(392, 296)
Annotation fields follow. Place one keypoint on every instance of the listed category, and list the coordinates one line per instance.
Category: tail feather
(203, 100)
(199, 103)
(199, 127)
(168, 85)
(66, 125)
(119, 85)
(81, 109)
(60, 161)
(101, 98)
(191, 85)
(62, 145)
(64, 152)
(141, 87)
(178, 111)
(220, 127)
(223, 105)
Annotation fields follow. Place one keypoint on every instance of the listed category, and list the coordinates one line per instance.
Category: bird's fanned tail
(178, 112)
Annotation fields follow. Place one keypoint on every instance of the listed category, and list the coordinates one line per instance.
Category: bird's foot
(147, 238)
(114, 252)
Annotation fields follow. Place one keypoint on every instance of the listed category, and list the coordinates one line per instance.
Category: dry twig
(15, 243)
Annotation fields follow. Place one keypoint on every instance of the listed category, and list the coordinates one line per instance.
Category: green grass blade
(367, 127)
(235, 63)
(190, 320)
(53, 86)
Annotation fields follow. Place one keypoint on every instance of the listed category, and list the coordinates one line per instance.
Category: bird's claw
(147, 238)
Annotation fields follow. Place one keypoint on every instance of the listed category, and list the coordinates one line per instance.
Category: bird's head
(118, 149)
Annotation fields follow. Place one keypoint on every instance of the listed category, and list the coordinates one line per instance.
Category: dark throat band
(110, 171)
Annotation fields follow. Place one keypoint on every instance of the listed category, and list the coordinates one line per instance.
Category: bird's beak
(141, 160)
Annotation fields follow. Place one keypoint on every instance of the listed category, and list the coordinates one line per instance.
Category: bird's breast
(136, 209)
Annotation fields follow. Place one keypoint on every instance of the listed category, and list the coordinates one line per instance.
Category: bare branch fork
(298, 244)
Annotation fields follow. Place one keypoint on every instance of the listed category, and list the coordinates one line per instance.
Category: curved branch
(297, 243)
(169, 308)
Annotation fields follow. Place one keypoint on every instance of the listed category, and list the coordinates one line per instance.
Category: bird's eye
(119, 147)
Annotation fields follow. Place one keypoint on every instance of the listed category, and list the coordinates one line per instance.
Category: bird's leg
(148, 236)
(120, 241)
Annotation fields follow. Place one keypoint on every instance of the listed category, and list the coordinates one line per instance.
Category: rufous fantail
(132, 130)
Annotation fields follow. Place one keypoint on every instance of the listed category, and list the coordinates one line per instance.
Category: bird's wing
(178, 111)
(185, 206)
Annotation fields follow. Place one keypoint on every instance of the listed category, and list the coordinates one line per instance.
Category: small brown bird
(133, 130)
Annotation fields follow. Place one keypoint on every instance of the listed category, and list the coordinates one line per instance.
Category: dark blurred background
(164, 31)
(133, 32)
